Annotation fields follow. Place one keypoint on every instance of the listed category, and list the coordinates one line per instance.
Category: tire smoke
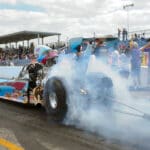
(97, 106)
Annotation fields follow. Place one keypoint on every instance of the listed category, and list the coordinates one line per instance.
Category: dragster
(37, 84)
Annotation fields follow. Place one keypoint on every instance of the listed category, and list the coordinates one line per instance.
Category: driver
(33, 69)
(50, 59)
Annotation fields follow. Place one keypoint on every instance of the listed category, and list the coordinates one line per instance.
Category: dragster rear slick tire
(55, 99)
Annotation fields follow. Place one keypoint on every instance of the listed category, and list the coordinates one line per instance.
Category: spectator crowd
(125, 57)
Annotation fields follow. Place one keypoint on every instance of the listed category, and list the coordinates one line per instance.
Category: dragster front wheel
(55, 99)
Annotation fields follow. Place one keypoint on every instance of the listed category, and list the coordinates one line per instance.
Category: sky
(73, 18)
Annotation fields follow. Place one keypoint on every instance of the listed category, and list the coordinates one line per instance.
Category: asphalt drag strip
(28, 128)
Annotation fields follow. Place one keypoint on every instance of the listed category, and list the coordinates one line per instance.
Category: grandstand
(20, 54)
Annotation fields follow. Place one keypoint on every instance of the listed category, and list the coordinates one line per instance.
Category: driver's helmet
(53, 54)
(50, 57)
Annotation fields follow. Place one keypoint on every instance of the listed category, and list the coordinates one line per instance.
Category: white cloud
(75, 18)
(8, 1)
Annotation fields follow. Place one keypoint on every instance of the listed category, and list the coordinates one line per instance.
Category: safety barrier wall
(15, 62)
(10, 71)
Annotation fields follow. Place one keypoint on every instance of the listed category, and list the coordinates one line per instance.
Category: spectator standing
(146, 48)
(79, 51)
(124, 65)
(115, 60)
(143, 36)
(148, 79)
(123, 34)
(98, 48)
(136, 65)
(126, 34)
(135, 36)
(119, 33)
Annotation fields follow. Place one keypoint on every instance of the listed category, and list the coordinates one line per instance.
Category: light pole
(125, 7)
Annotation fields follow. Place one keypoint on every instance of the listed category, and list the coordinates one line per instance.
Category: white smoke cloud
(121, 119)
